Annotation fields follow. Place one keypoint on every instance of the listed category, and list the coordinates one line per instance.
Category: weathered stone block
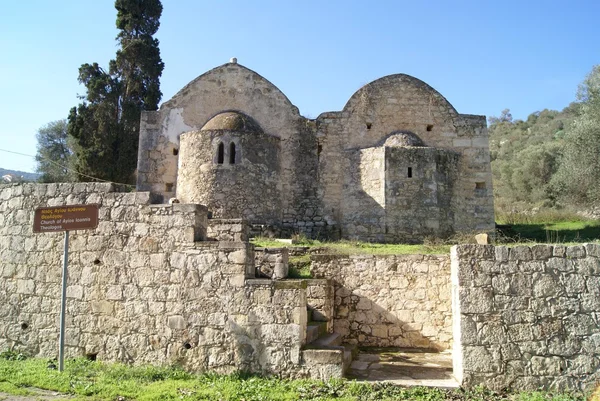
(575, 251)
(25, 286)
(480, 360)
(592, 250)
(546, 366)
(522, 253)
(540, 252)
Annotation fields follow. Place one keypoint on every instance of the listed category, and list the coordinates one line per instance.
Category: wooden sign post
(64, 218)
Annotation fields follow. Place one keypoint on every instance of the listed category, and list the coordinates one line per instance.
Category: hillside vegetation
(551, 160)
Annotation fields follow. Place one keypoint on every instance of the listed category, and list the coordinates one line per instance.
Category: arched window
(221, 153)
(232, 153)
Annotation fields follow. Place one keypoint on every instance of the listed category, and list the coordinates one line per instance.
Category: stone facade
(390, 301)
(398, 163)
(166, 284)
(527, 317)
(149, 285)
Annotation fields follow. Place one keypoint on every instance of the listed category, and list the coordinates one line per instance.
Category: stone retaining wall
(142, 289)
(527, 317)
(392, 300)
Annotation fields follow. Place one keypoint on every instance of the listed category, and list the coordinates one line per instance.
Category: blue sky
(483, 56)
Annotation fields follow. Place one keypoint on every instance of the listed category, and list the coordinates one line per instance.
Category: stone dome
(403, 139)
(232, 121)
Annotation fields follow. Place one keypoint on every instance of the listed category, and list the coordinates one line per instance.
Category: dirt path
(37, 395)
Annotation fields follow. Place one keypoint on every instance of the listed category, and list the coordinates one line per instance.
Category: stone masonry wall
(400, 102)
(326, 183)
(393, 300)
(141, 288)
(527, 317)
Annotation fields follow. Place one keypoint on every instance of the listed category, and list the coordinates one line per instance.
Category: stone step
(324, 364)
(328, 340)
(350, 352)
(314, 330)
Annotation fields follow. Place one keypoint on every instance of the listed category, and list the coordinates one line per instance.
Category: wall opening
(221, 153)
(409, 172)
(91, 357)
(232, 153)
(480, 185)
(175, 151)
(369, 125)
(169, 187)
(430, 127)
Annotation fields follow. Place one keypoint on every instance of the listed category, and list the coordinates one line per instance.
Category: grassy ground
(357, 247)
(549, 226)
(557, 232)
(88, 380)
(545, 226)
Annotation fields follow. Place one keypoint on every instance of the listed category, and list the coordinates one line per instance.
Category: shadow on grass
(552, 233)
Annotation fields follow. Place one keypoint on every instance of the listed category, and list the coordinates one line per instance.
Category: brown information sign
(65, 218)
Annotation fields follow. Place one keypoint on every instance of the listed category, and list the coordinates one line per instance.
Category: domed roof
(403, 139)
(232, 121)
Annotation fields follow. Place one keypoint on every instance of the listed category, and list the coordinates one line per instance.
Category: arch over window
(221, 153)
(232, 153)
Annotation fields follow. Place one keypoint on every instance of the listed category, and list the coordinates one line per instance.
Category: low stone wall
(527, 317)
(227, 230)
(391, 300)
(142, 289)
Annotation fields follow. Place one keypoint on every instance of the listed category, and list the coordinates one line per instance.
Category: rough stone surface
(398, 163)
(526, 317)
(146, 286)
(390, 301)
(271, 262)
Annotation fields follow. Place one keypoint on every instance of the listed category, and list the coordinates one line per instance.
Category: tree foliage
(105, 126)
(552, 158)
(54, 157)
(578, 178)
(526, 155)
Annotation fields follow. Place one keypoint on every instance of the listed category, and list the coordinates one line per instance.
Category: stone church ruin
(179, 283)
(397, 164)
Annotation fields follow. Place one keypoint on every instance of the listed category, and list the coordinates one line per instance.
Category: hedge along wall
(526, 317)
(390, 300)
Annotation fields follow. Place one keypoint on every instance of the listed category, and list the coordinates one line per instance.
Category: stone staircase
(324, 354)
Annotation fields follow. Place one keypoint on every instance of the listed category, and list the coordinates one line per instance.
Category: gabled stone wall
(527, 317)
(328, 177)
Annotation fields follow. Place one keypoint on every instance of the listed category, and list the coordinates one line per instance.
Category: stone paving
(403, 366)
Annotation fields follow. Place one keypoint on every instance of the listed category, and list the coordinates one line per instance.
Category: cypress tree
(105, 126)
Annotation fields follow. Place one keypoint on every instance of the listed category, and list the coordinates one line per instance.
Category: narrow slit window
(409, 173)
(369, 125)
(175, 151)
(430, 127)
(232, 153)
(221, 153)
